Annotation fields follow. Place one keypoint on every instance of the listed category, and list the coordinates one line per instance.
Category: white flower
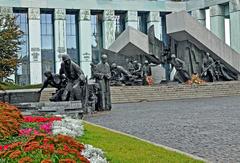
(95, 155)
(68, 126)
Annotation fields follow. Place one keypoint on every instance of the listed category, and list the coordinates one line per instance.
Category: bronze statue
(75, 77)
(137, 69)
(147, 72)
(181, 74)
(56, 81)
(93, 69)
(130, 67)
(223, 73)
(120, 76)
(103, 76)
(208, 69)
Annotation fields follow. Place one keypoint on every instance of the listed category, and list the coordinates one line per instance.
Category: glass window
(142, 22)
(120, 24)
(47, 42)
(96, 25)
(23, 70)
(72, 36)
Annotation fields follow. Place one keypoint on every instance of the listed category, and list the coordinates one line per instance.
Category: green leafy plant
(10, 42)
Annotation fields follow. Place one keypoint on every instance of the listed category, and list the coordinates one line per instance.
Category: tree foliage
(10, 42)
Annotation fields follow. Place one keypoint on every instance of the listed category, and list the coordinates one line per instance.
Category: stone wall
(172, 92)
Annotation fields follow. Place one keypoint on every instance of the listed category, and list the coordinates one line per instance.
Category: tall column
(217, 24)
(132, 19)
(85, 41)
(35, 46)
(60, 36)
(234, 6)
(200, 15)
(109, 28)
(155, 19)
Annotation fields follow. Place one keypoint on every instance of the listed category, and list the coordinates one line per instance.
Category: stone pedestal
(60, 36)
(234, 6)
(109, 27)
(85, 41)
(155, 19)
(132, 19)
(200, 15)
(158, 74)
(217, 21)
(35, 46)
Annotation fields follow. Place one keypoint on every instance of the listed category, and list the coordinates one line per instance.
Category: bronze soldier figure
(130, 67)
(147, 72)
(75, 77)
(181, 75)
(223, 73)
(103, 76)
(119, 75)
(55, 81)
(137, 70)
(208, 69)
(93, 69)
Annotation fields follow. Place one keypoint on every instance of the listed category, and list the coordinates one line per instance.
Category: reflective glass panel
(47, 42)
(22, 75)
(96, 26)
(142, 22)
(72, 37)
(120, 24)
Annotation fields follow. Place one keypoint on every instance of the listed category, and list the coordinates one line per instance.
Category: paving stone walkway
(209, 128)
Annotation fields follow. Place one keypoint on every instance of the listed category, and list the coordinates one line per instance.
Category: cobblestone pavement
(209, 128)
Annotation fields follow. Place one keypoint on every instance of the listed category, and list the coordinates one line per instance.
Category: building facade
(81, 28)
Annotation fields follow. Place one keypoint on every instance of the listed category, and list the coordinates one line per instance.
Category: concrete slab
(131, 42)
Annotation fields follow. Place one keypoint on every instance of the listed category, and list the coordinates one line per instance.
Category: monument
(191, 57)
(72, 85)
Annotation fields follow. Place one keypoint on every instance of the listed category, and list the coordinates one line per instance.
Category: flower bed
(43, 139)
(10, 120)
(43, 147)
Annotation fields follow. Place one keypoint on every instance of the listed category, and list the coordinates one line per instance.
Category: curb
(147, 141)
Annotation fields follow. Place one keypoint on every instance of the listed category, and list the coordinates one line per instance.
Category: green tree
(10, 42)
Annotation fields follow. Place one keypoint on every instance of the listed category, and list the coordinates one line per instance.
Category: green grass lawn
(11, 86)
(120, 148)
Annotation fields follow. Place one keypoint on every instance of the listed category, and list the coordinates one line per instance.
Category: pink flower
(25, 132)
(35, 132)
(46, 127)
(5, 147)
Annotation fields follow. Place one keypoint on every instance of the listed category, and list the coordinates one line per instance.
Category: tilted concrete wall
(181, 26)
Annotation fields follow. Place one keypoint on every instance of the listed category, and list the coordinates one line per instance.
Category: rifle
(207, 68)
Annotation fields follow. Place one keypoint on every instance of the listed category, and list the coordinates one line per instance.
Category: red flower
(15, 154)
(25, 160)
(5, 147)
(46, 161)
(41, 119)
(67, 160)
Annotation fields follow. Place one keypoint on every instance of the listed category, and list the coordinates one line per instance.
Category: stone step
(169, 92)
